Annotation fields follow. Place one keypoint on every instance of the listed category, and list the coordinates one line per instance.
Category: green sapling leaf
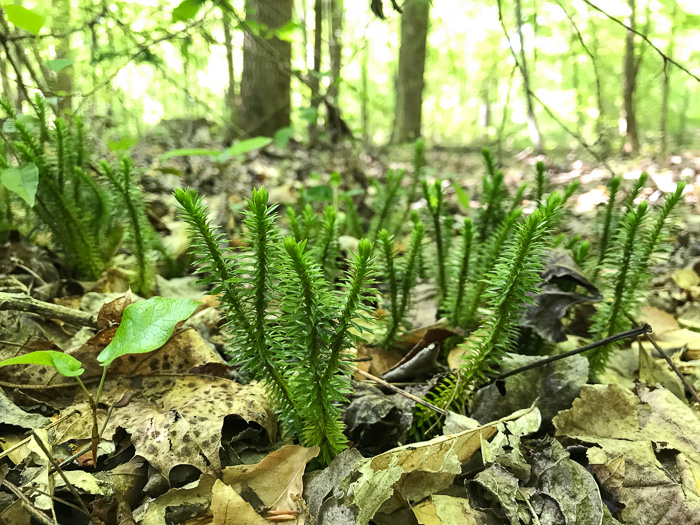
(244, 146)
(23, 181)
(24, 18)
(64, 364)
(58, 64)
(146, 326)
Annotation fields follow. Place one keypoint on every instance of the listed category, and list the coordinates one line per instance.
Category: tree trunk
(364, 80)
(665, 91)
(64, 83)
(335, 45)
(230, 101)
(6, 89)
(409, 84)
(265, 81)
(683, 119)
(531, 120)
(629, 86)
(576, 80)
(315, 80)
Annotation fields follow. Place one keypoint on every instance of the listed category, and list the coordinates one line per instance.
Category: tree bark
(64, 82)
(665, 91)
(335, 45)
(230, 101)
(315, 79)
(364, 102)
(629, 86)
(6, 89)
(410, 82)
(265, 81)
(531, 119)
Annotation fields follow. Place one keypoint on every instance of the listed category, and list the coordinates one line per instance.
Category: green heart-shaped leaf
(146, 326)
(23, 181)
(64, 364)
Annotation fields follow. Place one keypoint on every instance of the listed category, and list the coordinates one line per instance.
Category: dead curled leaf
(645, 450)
(276, 481)
(178, 420)
(400, 476)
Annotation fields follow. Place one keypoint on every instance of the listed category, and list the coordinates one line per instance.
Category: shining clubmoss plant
(289, 325)
(402, 275)
(493, 196)
(515, 278)
(387, 201)
(87, 218)
(609, 223)
(440, 232)
(629, 260)
(140, 236)
(542, 184)
(326, 248)
(461, 273)
(626, 262)
(486, 258)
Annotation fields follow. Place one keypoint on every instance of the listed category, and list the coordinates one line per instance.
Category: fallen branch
(400, 391)
(673, 366)
(635, 332)
(24, 303)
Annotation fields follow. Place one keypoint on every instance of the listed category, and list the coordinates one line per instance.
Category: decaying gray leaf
(554, 386)
(646, 453)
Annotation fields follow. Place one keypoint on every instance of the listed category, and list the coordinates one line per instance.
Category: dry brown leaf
(178, 420)
(659, 320)
(276, 480)
(686, 278)
(228, 507)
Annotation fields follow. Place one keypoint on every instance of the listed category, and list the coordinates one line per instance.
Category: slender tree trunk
(665, 91)
(230, 91)
(600, 120)
(6, 90)
(315, 80)
(629, 86)
(576, 80)
(335, 45)
(265, 81)
(531, 120)
(683, 119)
(64, 83)
(364, 80)
(485, 105)
(409, 85)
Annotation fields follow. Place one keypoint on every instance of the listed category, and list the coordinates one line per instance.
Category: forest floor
(181, 442)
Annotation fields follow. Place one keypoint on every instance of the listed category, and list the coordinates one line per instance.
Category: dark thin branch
(673, 366)
(594, 62)
(556, 119)
(635, 332)
(27, 504)
(54, 463)
(645, 38)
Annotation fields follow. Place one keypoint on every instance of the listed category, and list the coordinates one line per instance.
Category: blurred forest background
(511, 74)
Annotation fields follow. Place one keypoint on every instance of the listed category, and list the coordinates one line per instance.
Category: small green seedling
(145, 326)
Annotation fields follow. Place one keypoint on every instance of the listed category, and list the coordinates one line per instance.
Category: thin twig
(645, 38)
(56, 466)
(635, 332)
(27, 504)
(685, 382)
(399, 391)
(86, 448)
